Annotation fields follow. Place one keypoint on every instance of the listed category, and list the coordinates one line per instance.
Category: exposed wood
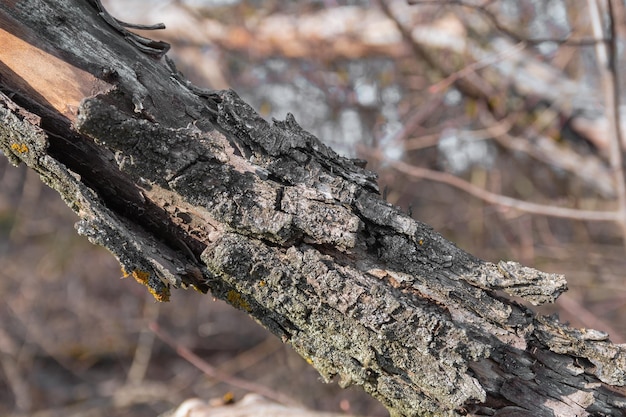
(189, 188)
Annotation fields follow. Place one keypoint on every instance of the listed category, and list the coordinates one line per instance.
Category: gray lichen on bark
(362, 291)
(365, 293)
(191, 190)
(369, 296)
(349, 324)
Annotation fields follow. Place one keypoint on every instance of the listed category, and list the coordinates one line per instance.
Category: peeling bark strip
(197, 190)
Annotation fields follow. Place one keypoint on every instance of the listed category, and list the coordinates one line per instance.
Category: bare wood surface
(189, 188)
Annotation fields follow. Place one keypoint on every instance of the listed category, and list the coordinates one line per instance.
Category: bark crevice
(190, 191)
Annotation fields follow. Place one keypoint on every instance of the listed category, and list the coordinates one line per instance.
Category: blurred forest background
(496, 122)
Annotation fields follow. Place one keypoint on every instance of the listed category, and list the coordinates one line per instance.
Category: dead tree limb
(191, 188)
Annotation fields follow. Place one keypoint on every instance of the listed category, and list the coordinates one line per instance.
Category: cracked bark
(193, 189)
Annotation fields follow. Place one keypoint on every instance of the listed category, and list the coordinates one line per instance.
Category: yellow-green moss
(237, 300)
(19, 147)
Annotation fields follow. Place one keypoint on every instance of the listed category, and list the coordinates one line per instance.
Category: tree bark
(193, 189)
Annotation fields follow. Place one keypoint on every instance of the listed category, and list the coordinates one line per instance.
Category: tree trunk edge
(503, 357)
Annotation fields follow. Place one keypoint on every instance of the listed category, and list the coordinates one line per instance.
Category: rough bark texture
(189, 188)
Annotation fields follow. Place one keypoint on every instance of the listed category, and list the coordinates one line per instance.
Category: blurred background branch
(512, 100)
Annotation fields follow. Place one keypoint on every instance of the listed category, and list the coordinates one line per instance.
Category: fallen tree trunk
(192, 188)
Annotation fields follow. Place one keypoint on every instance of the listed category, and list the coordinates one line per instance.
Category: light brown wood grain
(60, 84)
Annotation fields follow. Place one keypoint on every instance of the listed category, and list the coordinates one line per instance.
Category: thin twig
(143, 352)
(15, 377)
(427, 141)
(493, 198)
(495, 21)
(607, 61)
(589, 169)
(213, 372)
(251, 357)
(413, 122)
(474, 67)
